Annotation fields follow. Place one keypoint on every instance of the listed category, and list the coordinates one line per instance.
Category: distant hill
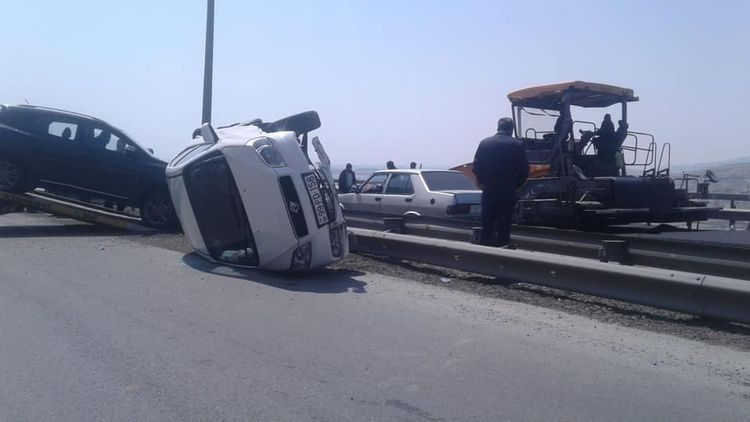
(734, 176)
(712, 164)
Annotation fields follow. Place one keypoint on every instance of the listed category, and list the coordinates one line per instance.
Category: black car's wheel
(12, 175)
(157, 211)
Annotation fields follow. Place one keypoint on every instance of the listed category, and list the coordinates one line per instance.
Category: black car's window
(64, 131)
(219, 211)
(14, 118)
(400, 184)
(104, 139)
(375, 184)
(447, 180)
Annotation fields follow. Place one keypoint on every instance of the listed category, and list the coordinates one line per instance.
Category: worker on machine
(607, 146)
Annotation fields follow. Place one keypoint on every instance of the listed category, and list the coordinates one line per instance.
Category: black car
(71, 153)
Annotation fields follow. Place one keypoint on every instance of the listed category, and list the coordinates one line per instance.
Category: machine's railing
(637, 151)
(536, 133)
(582, 122)
(685, 183)
(664, 171)
(733, 214)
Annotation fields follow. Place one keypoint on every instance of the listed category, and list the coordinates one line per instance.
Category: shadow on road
(60, 231)
(322, 281)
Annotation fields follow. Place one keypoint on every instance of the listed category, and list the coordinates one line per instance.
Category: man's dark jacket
(343, 187)
(501, 167)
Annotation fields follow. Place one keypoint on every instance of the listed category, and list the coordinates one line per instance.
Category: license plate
(475, 210)
(316, 198)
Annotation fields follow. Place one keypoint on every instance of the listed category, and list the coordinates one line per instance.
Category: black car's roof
(73, 114)
(57, 111)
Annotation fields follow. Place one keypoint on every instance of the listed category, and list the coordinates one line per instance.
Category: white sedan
(433, 193)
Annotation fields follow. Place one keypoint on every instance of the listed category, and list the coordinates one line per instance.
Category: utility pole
(208, 69)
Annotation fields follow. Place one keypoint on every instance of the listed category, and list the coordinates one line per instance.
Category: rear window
(447, 180)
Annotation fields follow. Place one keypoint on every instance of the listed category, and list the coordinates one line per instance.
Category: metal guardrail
(732, 214)
(691, 293)
(706, 257)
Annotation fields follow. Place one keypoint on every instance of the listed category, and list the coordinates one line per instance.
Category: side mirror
(355, 189)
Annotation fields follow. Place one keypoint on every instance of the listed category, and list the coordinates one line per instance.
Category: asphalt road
(96, 325)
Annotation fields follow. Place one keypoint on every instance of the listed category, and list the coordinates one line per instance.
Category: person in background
(390, 166)
(607, 129)
(412, 165)
(562, 128)
(605, 143)
(501, 168)
(347, 179)
(621, 133)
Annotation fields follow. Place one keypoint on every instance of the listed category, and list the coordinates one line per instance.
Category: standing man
(347, 179)
(501, 168)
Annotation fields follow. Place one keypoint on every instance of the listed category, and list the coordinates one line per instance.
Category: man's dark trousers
(496, 219)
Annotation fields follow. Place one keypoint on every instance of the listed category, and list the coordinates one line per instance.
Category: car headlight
(269, 153)
(301, 257)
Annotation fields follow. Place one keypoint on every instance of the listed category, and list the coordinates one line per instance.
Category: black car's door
(112, 163)
(58, 151)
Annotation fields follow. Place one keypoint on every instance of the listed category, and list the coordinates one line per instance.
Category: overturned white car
(249, 195)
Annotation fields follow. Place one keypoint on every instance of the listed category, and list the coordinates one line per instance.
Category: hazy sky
(392, 80)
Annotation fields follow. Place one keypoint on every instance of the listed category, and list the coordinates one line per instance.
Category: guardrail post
(732, 222)
(394, 224)
(614, 250)
(476, 235)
